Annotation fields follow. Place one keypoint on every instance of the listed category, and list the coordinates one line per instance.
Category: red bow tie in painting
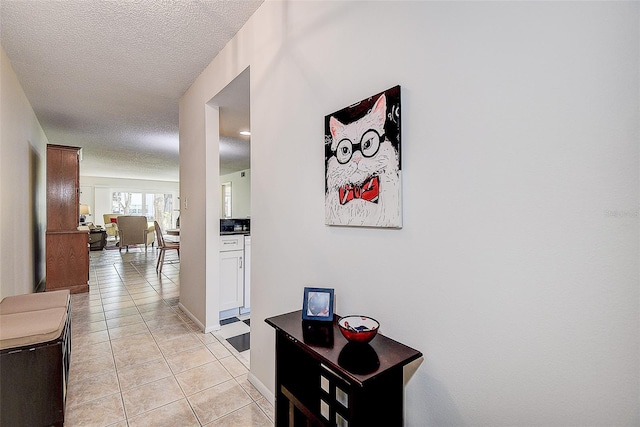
(368, 191)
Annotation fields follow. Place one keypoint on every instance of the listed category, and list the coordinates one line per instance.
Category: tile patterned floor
(237, 331)
(138, 360)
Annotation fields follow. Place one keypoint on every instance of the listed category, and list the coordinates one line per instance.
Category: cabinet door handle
(240, 262)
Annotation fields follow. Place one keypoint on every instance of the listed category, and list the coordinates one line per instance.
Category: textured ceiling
(107, 75)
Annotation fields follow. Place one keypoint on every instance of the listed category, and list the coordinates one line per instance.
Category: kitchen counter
(235, 226)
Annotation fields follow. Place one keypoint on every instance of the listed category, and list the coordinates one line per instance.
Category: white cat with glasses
(363, 175)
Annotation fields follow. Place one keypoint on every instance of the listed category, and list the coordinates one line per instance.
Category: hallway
(138, 360)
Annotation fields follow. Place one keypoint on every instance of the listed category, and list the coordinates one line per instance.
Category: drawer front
(231, 243)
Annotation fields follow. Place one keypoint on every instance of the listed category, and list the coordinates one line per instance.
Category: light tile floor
(138, 360)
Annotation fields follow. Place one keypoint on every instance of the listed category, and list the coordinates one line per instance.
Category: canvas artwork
(363, 185)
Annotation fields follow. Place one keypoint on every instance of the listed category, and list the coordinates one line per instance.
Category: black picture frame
(317, 304)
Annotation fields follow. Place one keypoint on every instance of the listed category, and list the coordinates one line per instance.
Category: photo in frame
(317, 304)
(363, 179)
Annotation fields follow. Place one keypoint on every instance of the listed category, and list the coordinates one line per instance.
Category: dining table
(172, 235)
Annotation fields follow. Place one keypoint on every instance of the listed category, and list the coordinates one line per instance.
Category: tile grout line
(164, 356)
(115, 365)
(166, 298)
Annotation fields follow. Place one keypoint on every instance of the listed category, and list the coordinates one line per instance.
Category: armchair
(110, 227)
(135, 230)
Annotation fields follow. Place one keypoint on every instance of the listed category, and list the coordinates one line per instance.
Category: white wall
(516, 272)
(240, 193)
(22, 188)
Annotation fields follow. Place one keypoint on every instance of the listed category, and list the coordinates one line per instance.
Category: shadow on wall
(37, 232)
(435, 407)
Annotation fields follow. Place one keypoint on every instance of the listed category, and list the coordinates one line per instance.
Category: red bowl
(359, 329)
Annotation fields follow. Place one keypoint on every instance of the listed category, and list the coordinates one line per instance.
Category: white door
(231, 279)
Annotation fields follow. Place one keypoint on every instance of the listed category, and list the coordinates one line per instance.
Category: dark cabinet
(97, 240)
(34, 378)
(322, 380)
(67, 249)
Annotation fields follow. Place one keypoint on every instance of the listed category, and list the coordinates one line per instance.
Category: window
(154, 206)
(226, 200)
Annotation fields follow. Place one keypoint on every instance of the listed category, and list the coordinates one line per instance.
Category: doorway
(234, 213)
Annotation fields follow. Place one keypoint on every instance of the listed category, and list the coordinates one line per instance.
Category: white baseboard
(192, 317)
(215, 327)
(261, 388)
(252, 378)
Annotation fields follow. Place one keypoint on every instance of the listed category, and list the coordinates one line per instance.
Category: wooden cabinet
(67, 249)
(322, 380)
(67, 261)
(63, 188)
(231, 272)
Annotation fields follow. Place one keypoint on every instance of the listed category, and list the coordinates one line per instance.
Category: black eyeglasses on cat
(369, 145)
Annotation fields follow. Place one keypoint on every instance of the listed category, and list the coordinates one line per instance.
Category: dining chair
(163, 246)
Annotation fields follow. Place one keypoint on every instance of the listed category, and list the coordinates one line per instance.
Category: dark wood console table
(97, 239)
(322, 380)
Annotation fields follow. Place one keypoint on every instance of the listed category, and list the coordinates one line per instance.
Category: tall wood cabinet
(67, 248)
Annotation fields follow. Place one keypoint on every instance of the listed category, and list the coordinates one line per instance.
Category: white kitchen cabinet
(231, 272)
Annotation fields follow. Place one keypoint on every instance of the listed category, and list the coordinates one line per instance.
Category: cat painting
(362, 153)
